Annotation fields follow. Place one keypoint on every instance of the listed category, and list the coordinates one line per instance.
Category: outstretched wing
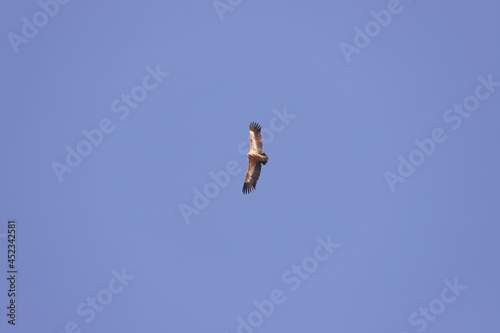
(256, 145)
(252, 177)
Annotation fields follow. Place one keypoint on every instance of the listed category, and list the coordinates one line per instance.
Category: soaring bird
(256, 157)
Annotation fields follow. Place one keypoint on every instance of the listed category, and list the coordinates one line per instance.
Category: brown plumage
(256, 158)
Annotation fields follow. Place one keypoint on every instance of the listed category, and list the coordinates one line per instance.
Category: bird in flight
(256, 158)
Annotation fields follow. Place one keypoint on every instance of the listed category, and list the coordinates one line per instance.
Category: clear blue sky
(377, 212)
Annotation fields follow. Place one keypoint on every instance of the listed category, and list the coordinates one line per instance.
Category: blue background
(120, 208)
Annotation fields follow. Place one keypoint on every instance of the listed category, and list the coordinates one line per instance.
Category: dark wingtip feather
(247, 188)
(255, 126)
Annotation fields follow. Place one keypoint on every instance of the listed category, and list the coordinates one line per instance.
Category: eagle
(256, 158)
